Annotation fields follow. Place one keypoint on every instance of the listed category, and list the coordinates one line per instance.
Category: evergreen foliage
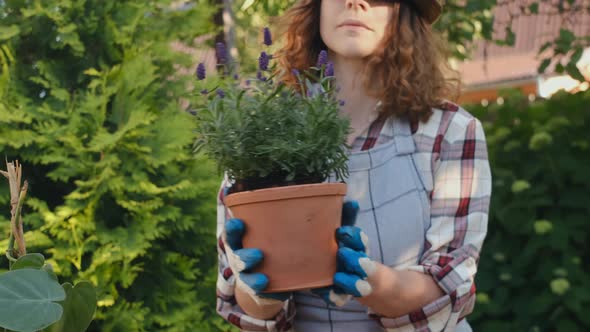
(89, 102)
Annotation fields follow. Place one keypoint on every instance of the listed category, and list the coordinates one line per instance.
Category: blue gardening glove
(243, 260)
(354, 266)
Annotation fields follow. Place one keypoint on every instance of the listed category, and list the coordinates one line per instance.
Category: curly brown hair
(410, 70)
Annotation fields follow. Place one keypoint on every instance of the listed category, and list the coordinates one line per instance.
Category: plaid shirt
(452, 156)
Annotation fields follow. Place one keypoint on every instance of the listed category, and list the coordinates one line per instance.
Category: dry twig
(17, 196)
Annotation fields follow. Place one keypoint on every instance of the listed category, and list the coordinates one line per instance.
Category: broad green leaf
(79, 308)
(31, 261)
(49, 269)
(27, 291)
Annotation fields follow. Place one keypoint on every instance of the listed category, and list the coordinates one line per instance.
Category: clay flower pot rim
(287, 192)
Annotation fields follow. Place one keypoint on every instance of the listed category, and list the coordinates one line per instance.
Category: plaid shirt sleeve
(452, 156)
(227, 306)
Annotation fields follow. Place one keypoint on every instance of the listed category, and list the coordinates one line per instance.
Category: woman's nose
(352, 4)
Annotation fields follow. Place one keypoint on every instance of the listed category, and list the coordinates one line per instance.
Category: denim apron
(395, 215)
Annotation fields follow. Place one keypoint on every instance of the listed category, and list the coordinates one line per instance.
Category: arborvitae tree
(90, 103)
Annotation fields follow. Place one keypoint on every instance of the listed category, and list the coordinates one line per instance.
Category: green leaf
(520, 185)
(544, 65)
(544, 47)
(577, 55)
(482, 298)
(543, 226)
(540, 140)
(92, 72)
(69, 36)
(510, 36)
(559, 68)
(32, 261)
(79, 308)
(247, 4)
(49, 269)
(574, 72)
(8, 32)
(566, 36)
(559, 286)
(27, 291)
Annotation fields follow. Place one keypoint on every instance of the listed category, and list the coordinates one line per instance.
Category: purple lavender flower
(221, 53)
(295, 72)
(236, 77)
(322, 58)
(263, 61)
(330, 69)
(201, 71)
(267, 37)
(342, 103)
(204, 92)
(220, 93)
(247, 82)
(260, 77)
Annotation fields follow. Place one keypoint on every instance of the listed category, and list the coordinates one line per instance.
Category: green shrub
(89, 104)
(533, 273)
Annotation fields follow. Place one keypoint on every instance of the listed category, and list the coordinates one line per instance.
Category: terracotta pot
(294, 226)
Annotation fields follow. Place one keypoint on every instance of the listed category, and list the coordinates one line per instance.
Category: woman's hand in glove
(243, 260)
(353, 264)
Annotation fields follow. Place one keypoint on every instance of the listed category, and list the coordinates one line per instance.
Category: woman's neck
(358, 104)
(361, 108)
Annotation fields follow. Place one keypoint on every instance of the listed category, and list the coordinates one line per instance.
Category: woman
(419, 184)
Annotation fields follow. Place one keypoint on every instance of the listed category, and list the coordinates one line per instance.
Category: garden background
(91, 103)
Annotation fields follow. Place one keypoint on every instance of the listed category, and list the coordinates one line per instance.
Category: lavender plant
(264, 133)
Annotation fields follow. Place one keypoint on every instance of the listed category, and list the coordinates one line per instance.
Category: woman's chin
(354, 47)
(354, 53)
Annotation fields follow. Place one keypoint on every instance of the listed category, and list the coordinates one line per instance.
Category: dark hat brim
(430, 9)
